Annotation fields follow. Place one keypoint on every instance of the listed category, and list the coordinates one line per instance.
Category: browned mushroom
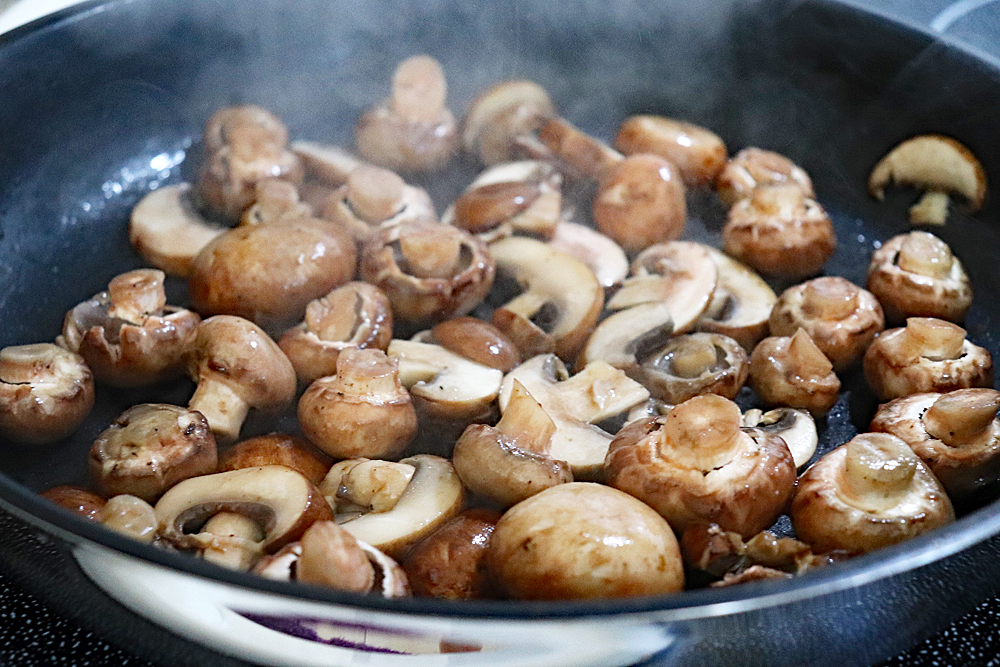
(605, 258)
(355, 486)
(780, 232)
(690, 365)
(869, 493)
(78, 500)
(796, 427)
(927, 355)
(127, 334)
(696, 464)
(916, 275)
(699, 154)
(412, 129)
(291, 451)
(957, 434)
(45, 393)
(130, 516)
(583, 540)
(477, 340)
(149, 448)
(578, 153)
(755, 167)
(792, 371)
(741, 303)
(448, 563)
(502, 119)
(840, 317)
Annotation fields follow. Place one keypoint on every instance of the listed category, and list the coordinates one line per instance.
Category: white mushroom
(796, 427)
(741, 303)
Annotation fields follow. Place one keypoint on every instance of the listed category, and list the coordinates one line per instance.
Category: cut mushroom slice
(741, 303)
(326, 163)
(503, 117)
(606, 258)
(355, 486)
(624, 337)
(936, 164)
(595, 394)
(167, 230)
(796, 427)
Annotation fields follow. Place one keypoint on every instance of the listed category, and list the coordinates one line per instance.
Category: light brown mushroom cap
(698, 153)
(78, 500)
(583, 540)
(45, 393)
(291, 451)
(792, 371)
(755, 167)
(448, 563)
(476, 340)
(870, 493)
(741, 303)
(502, 115)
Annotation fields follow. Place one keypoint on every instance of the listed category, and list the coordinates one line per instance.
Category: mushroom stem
(431, 253)
(23, 364)
(136, 294)
(375, 194)
(705, 432)
(877, 471)
(926, 255)
(936, 339)
(693, 359)
(419, 89)
(810, 362)
(223, 407)
(962, 418)
(232, 541)
(829, 299)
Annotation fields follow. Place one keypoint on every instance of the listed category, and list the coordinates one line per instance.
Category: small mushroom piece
(291, 451)
(755, 167)
(355, 486)
(796, 427)
(779, 232)
(325, 163)
(793, 371)
(640, 201)
(354, 315)
(448, 563)
(575, 404)
(605, 258)
(275, 201)
(840, 317)
(373, 197)
(699, 154)
(45, 393)
(916, 275)
(580, 152)
(411, 130)
(691, 365)
(937, 164)
(584, 541)
(510, 461)
(131, 516)
(237, 367)
(168, 231)
(477, 340)
(927, 355)
(127, 334)
(363, 410)
(149, 448)
(429, 272)
(560, 302)
(869, 493)
(741, 303)
(697, 464)
(76, 499)
(956, 434)
(503, 117)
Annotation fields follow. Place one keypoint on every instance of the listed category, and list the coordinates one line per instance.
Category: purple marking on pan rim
(300, 627)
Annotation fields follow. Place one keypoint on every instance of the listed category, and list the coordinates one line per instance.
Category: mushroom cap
(692, 364)
(792, 371)
(500, 115)
(583, 540)
(76, 499)
(741, 303)
(606, 258)
(932, 162)
(291, 451)
(698, 153)
(754, 167)
(478, 341)
(447, 564)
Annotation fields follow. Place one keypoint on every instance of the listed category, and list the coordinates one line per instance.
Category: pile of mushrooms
(547, 376)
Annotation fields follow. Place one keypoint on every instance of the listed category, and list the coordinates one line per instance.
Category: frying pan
(105, 102)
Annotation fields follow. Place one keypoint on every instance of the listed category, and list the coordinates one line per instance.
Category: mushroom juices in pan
(542, 392)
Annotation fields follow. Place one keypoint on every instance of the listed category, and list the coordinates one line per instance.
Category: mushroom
(78, 500)
(237, 367)
(291, 451)
(45, 393)
(840, 317)
(363, 410)
(127, 334)
(796, 427)
(234, 517)
(741, 303)
(690, 365)
(916, 275)
(755, 167)
(328, 164)
(926, 355)
(412, 129)
(355, 486)
(448, 563)
(430, 272)
(222, 125)
(149, 448)
(793, 371)
(510, 461)
(869, 493)
(502, 119)
(476, 340)
(583, 540)
(168, 231)
(780, 232)
(625, 338)
(699, 154)
(275, 201)
(354, 315)
(560, 302)
(605, 258)
(593, 395)
(956, 434)
(939, 165)
(697, 464)
(131, 516)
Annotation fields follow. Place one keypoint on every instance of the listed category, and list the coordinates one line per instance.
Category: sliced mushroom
(690, 365)
(792, 371)
(448, 563)
(934, 163)
(697, 465)
(597, 393)
(699, 154)
(625, 337)
(502, 117)
(869, 493)
(127, 334)
(45, 393)
(741, 303)
(355, 486)
(796, 427)
(755, 167)
(927, 355)
(291, 451)
(149, 448)
(916, 275)
(606, 258)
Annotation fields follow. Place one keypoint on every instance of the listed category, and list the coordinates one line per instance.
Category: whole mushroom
(502, 120)
(755, 167)
(698, 153)
(792, 371)
(291, 451)
(448, 563)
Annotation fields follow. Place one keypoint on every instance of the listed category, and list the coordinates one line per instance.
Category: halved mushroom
(355, 486)
(927, 355)
(579, 151)
(698, 153)
(561, 301)
(792, 371)
(936, 164)
(412, 129)
(575, 403)
(624, 338)
(869, 493)
(755, 167)
(741, 303)
(606, 258)
(916, 275)
(476, 340)
(291, 451)
(127, 334)
(45, 393)
(796, 427)
(448, 563)
(690, 365)
(502, 117)
(697, 464)
(149, 448)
